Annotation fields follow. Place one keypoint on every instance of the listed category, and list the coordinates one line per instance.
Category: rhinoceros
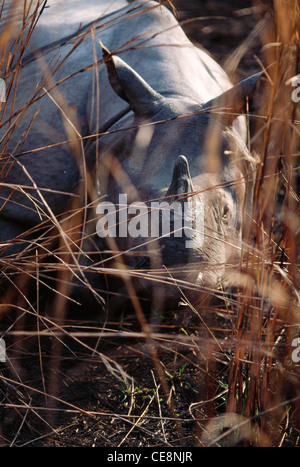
(114, 100)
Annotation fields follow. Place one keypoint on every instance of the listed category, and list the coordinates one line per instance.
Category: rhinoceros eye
(226, 211)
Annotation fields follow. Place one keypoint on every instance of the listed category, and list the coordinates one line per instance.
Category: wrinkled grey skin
(157, 76)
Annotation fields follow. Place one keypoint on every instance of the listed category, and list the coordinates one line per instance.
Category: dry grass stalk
(250, 355)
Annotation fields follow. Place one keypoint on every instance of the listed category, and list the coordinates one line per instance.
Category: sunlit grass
(232, 353)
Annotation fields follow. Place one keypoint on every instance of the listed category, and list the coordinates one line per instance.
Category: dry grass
(189, 378)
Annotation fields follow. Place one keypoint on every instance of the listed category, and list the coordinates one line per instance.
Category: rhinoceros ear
(232, 103)
(130, 86)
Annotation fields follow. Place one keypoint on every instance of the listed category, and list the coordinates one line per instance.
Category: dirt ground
(222, 28)
(119, 389)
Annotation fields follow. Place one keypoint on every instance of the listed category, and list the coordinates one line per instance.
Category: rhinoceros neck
(146, 35)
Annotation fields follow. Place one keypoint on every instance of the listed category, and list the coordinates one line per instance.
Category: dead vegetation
(219, 374)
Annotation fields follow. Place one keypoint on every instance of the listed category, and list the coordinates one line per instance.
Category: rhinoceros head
(195, 156)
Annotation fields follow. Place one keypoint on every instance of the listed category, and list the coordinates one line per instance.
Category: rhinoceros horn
(181, 180)
(130, 86)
